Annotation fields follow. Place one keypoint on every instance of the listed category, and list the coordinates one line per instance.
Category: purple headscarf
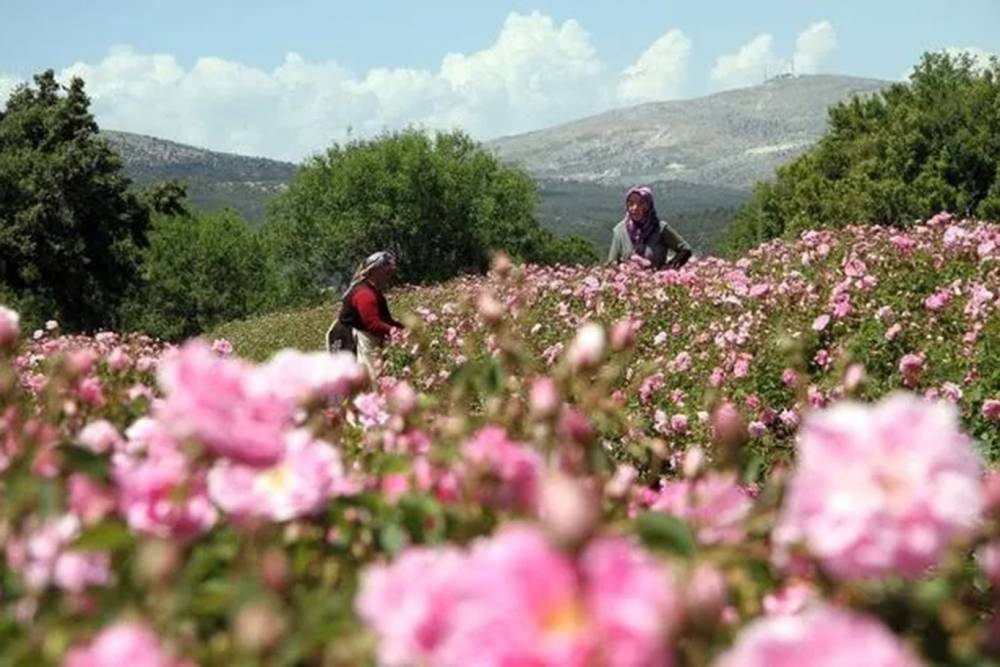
(640, 232)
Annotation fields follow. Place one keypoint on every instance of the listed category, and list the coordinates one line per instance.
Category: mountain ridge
(731, 138)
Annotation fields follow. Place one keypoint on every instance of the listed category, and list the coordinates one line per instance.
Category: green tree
(200, 270)
(915, 149)
(442, 204)
(71, 233)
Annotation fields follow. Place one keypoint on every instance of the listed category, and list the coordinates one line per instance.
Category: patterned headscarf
(640, 232)
(368, 264)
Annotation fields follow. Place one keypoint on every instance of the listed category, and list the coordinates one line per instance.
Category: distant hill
(215, 180)
(730, 139)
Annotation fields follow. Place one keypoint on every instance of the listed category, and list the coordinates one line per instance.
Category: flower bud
(623, 334)
(706, 594)
(403, 399)
(489, 308)
(566, 509)
(257, 627)
(10, 328)
(544, 398)
(728, 428)
(587, 349)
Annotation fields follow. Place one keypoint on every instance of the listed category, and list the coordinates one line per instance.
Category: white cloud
(813, 46)
(981, 57)
(537, 72)
(750, 65)
(659, 72)
(757, 59)
(7, 85)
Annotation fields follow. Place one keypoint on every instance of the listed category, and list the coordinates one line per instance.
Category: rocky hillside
(215, 180)
(730, 139)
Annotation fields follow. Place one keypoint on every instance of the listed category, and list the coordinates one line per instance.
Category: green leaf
(392, 537)
(105, 536)
(666, 532)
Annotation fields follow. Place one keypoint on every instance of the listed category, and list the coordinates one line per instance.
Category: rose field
(775, 461)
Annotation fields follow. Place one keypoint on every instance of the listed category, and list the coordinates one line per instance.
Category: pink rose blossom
(299, 484)
(514, 600)
(991, 409)
(124, 644)
(224, 405)
(819, 637)
(821, 322)
(881, 489)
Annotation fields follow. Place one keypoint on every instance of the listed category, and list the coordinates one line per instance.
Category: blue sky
(287, 79)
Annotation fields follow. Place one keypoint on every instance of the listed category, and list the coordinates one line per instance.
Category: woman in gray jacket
(642, 233)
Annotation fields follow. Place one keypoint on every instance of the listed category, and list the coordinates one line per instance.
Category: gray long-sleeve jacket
(666, 239)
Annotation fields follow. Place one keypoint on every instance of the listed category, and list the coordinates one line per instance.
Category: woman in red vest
(364, 322)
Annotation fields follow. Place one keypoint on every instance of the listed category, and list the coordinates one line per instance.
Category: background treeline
(78, 245)
(917, 148)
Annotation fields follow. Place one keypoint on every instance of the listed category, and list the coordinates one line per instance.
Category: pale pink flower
(302, 377)
(893, 331)
(742, 366)
(222, 347)
(818, 637)
(124, 644)
(757, 429)
(714, 505)
(881, 489)
(88, 499)
(223, 404)
(821, 322)
(790, 378)
(911, 366)
(299, 484)
(514, 600)
(409, 603)
(679, 423)
(938, 300)
(991, 409)
(631, 601)
(42, 556)
(682, 362)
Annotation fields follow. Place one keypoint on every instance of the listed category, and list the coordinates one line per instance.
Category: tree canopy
(911, 151)
(442, 204)
(71, 233)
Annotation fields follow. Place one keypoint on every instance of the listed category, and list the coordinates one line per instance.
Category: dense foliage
(917, 148)
(200, 270)
(71, 233)
(443, 205)
(726, 475)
